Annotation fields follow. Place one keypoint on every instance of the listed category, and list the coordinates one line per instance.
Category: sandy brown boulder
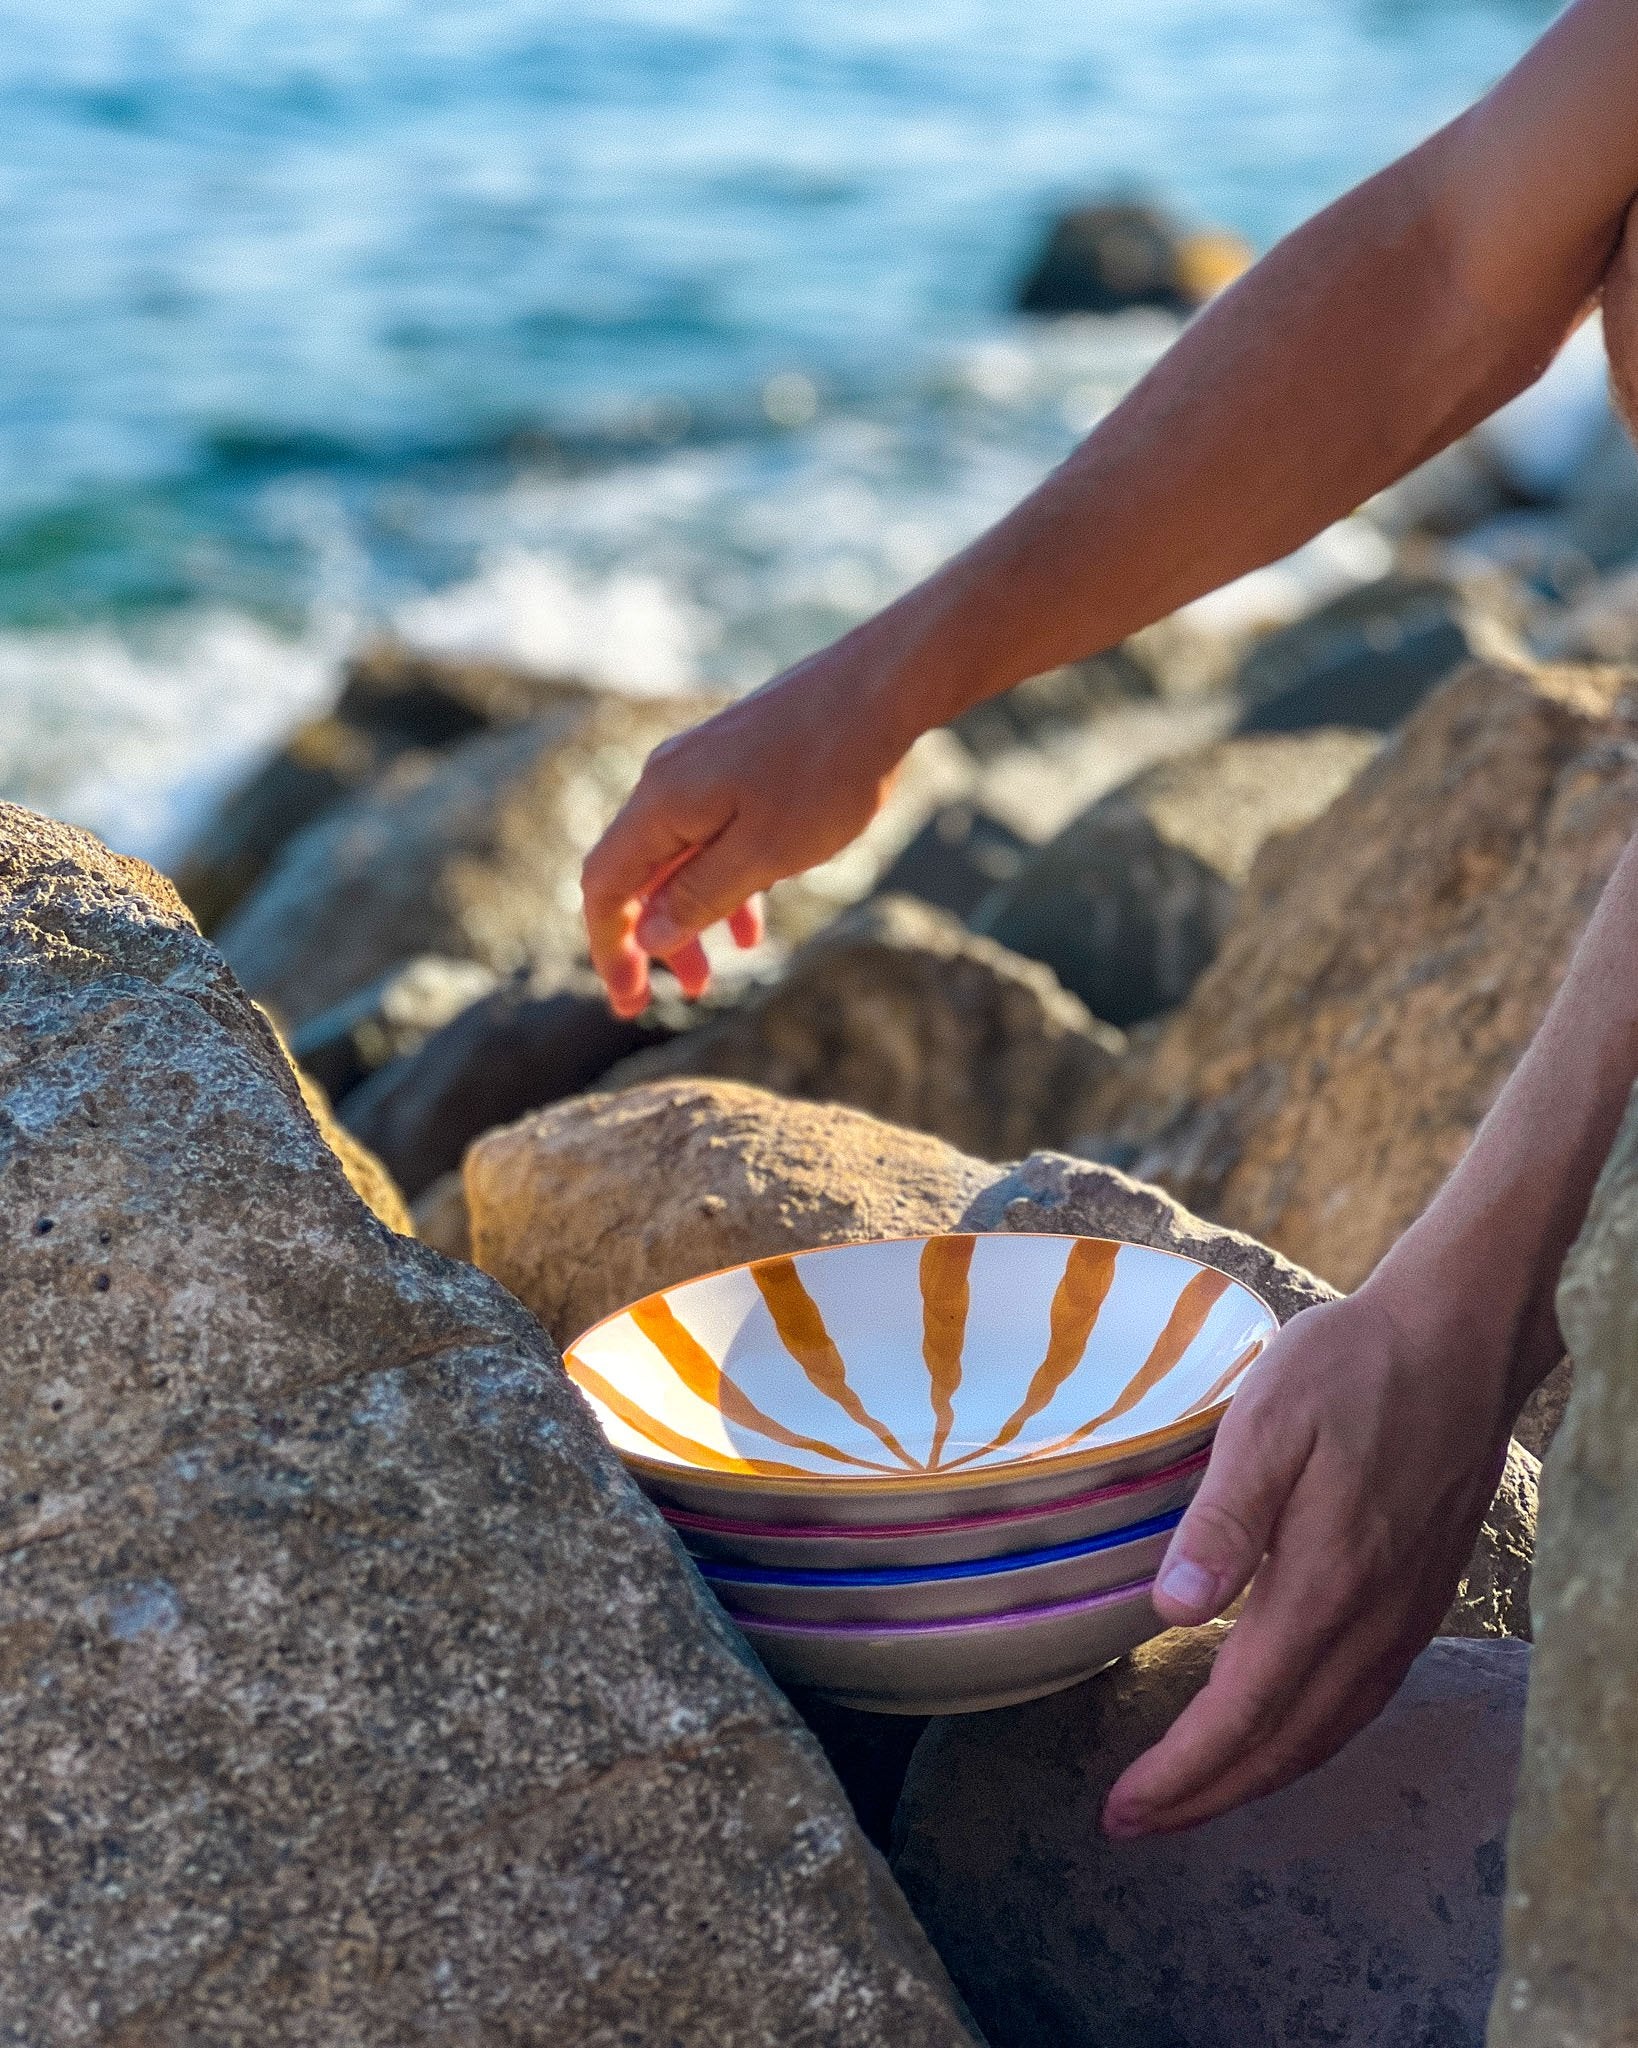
(1128, 904)
(474, 854)
(1386, 967)
(898, 1010)
(348, 1691)
(1362, 1904)
(1572, 1861)
(585, 1206)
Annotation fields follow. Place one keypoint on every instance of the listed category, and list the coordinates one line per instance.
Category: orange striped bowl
(919, 1379)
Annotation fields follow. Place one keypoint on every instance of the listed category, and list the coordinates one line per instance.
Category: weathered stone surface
(440, 1218)
(584, 1207)
(348, 1691)
(370, 1180)
(391, 1019)
(956, 859)
(1569, 1980)
(1368, 658)
(1601, 626)
(898, 1010)
(1386, 967)
(1362, 1904)
(534, 1040)
(1128, 904)
(474, 854)
(1119, 253)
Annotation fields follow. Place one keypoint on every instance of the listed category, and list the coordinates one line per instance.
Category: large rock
(1572, 1864)
(956, 859)
(1128, 904)
(898, 1010)
(1362, 1904)
(1368, 658)
(1107, 257)
(474, 854)
(348, 1691)
(1387, 966)
(584, 1207)
(390, 1020)
(590, 1205)
(393, 702)
(531, 1041)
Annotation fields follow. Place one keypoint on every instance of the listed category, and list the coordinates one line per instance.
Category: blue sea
(654, 339)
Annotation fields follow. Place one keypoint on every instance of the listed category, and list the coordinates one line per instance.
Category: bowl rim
(825, 1485)
(875, 1577)
(688, 1522)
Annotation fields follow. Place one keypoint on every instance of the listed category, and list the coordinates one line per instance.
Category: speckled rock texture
(473, 853)
(349, 1694)
(896, 1009)
(1386, 967)
(590, 1205)
(371, 1181)
(1128, 904)
(1571, 1973)
(1361, 1905)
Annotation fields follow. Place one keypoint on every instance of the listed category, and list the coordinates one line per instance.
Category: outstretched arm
(1372, 337)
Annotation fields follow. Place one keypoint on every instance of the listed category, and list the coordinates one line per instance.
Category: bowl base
(958, 1703)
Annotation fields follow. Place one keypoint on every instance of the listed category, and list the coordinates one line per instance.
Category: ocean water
(657, 339)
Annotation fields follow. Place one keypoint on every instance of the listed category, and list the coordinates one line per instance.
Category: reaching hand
(766, 788)
(1361, 1461)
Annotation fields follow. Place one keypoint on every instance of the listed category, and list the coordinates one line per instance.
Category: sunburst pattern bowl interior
(920, 1364)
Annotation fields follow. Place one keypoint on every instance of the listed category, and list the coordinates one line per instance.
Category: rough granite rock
(532, 1041)
(1128, 904)
(1387, 966)
(348, 1690)
(474, 854)
(587, 1205)
(1361, 1905)
(1569, 1979)
(393, 702)
(898, 1010)
(371, 1182)
(594, 1203)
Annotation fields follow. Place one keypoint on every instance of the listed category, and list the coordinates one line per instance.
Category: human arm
(1365, 1446)
(1366, 341)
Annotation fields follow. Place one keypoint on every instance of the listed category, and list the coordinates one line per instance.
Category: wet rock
(1361, 1904)
(348, 1691)
(1128, 904)
(1385, 969)
(1572, 1864)
(898, 1010)
(956, 859)
(1368, 658)
(389, 1020)
(586, 1206)
(1108, 257)
(533, 1040)
(473, 854)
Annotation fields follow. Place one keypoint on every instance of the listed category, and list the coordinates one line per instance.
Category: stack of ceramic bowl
(932, 1475)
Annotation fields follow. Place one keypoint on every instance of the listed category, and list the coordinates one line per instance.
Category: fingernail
(659, 934)
(1122, 1823)
(1188, 1583)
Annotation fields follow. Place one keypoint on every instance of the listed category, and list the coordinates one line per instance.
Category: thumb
(1221, 1540)
(711, 885)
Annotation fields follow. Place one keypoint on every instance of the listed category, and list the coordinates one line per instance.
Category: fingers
(617, 872)
(1221, 1540)
(713, 883)
(1280, 1701)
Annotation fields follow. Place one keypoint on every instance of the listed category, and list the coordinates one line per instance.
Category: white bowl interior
(920, 1358)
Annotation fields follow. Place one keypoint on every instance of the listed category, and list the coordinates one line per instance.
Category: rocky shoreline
(349, 1691)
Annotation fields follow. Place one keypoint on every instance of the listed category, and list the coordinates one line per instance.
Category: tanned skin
(1352, 1471)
